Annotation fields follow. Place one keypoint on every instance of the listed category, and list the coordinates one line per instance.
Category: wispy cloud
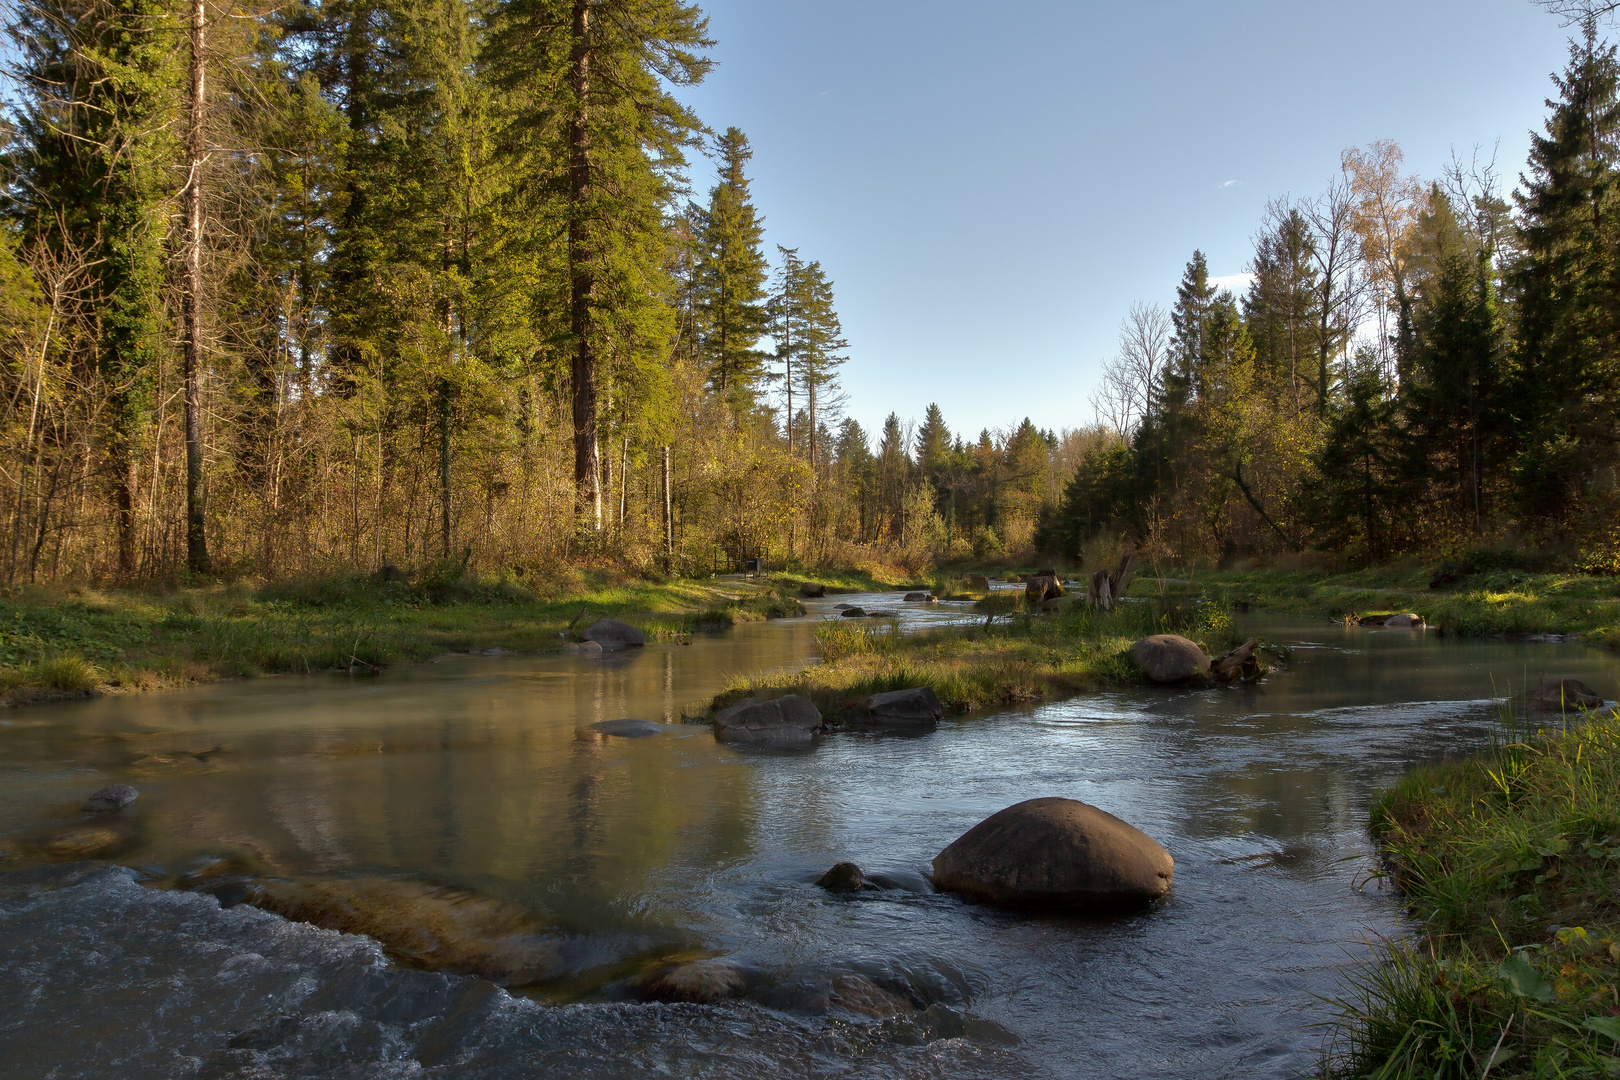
(1229, 183)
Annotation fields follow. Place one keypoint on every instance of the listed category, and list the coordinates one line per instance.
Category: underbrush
(1510, 862)
(1019, 659)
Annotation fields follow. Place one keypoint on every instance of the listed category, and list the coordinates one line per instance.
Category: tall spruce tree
(1568, 285)
(731, 274)
(599, 141)
(1280, 307)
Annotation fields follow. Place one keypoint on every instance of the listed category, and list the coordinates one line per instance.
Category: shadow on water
(482, 785)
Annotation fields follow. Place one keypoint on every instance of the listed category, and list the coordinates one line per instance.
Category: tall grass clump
(1510, 864)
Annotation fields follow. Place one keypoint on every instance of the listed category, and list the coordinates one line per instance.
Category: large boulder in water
(1169, 658)
(1056, 853)
(1405, 620)
(785, 721)
(611, 633)
(1560, 695)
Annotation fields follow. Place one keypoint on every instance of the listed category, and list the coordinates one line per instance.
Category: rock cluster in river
(792, 720)
(1056, 853)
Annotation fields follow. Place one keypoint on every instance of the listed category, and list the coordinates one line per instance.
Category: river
(483, 773)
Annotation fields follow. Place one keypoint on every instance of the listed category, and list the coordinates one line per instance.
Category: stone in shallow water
(430, 926)
(845, 877)
(613, 633)
(699, 982)
(110, 798)
(1169, 658)
(1056, 853)
(628, 729)
(791, 720)
(1560, 695)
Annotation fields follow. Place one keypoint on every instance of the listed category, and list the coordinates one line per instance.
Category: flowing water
(483, 773)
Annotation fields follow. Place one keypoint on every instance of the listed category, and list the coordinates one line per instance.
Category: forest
(328, 287)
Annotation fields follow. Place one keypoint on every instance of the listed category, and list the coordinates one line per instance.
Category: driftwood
(1240, 662)
(1106, 588)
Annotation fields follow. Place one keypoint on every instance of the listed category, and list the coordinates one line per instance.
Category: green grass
(1016, 660)
(1510, 862)
(66, 642)
(1502, 601)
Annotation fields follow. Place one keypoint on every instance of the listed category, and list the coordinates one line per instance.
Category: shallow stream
(483, 773)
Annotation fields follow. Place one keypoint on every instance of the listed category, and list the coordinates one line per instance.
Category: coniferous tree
(1280, 307)
(1568, 311)
(731, 273)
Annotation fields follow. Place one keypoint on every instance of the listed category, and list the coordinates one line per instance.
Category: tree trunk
(582, 280)
(669, 516)
(196, 534)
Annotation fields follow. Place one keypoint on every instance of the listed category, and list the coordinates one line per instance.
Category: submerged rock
(700, 982)
(785, 721)
(591, 647)
(917, 707)
(845, 877)
(70, 843)
(1056, 853)
(612, 632)
(1559, 695)
(1169, 658)
(628, 729)
(860, 996)
(430, 926)
(110, 798)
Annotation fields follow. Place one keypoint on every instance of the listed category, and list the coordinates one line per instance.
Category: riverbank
(73, 642)
(1510, 862)
(1014, 660)
(1478, 604)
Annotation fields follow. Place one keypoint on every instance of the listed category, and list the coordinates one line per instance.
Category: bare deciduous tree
(1133, 381)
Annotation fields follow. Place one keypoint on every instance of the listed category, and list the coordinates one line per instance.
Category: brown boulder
(917, 707)
(785, 721)
(845, 877)
(1169, 658)
(1406, 621)
(611, 633)
(699, 982)
(812, 590)
(1560, 695)
(1056, 853)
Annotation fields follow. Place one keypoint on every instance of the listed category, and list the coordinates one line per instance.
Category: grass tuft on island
(1015, 659)
(1510, 862)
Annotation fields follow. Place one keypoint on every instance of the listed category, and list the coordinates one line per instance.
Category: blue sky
(990, 186)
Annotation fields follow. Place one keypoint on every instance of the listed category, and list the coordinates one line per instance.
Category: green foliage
(1509, 861)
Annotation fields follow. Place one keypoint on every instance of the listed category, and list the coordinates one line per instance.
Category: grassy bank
(68, 642)
(1017, 659)
(1501, 601)
(1510, 862)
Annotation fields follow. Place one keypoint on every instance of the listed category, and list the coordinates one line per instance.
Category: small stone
(699, 982)
(845, 877)
(110, 798)
(853, 613)
(628, 729)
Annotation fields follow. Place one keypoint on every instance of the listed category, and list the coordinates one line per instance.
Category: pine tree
(600, 140)
(1569, 305)
(731, 274)
(819, 348)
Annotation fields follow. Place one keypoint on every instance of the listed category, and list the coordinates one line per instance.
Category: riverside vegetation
(1510, 861)
(1012, 660)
